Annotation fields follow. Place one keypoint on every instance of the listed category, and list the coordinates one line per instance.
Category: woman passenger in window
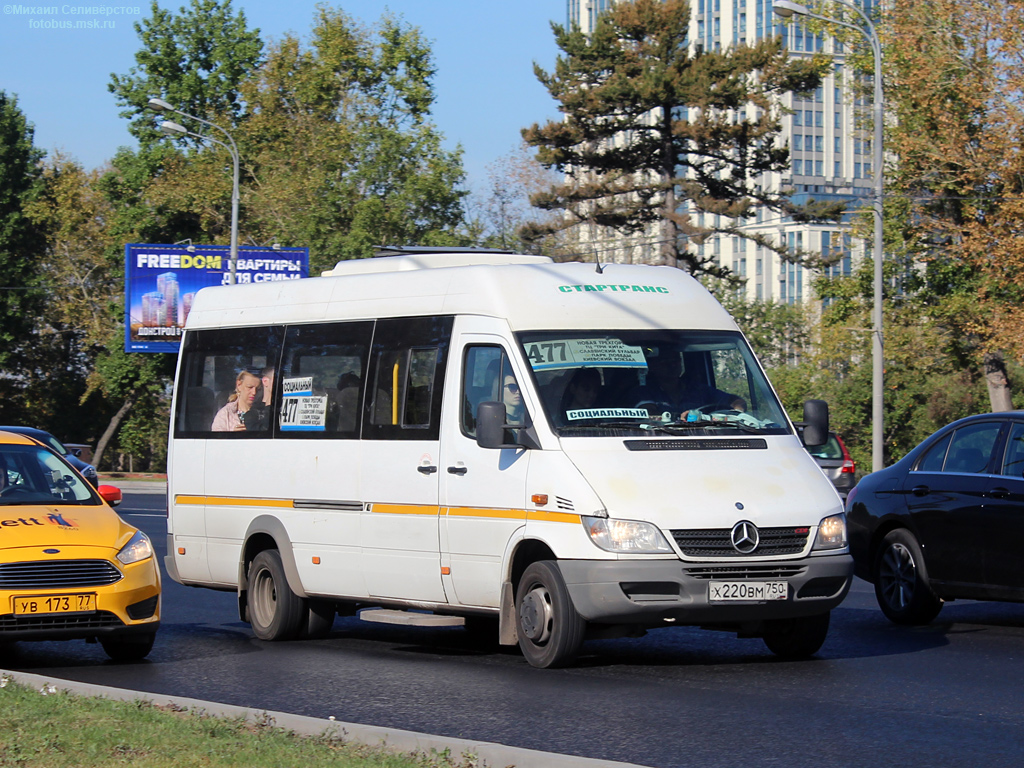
(513, 400)
(231, 418)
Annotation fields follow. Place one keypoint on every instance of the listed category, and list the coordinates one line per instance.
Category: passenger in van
(513, 400)
(258, 417)
(583, 391)
(231, 418)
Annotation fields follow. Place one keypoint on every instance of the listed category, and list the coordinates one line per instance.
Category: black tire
(798, 638)
(128, 648)
(275, 612)
(901, 581)
(550, 631)
(319, 620)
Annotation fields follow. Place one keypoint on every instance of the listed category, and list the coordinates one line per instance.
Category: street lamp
(786, 9)
(174, 129)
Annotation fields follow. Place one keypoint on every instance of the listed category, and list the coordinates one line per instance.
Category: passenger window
(407, 364)
(1013, 458)
(935, 457)
(322, 372)
(221, 380)
(487, 377)
(971, 448)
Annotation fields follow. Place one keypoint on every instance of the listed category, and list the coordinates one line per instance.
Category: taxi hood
(674, 485)
(57, 525)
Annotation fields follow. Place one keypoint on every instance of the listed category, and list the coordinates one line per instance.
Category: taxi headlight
(138, 548)
(831, 533)
(625, 535)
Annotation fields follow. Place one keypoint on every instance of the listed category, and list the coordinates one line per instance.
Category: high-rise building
(167, 285)
(830, 148)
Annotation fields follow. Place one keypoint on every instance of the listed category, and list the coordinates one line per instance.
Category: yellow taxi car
(70, 567)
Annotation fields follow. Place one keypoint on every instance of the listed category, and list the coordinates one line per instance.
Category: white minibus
(555, 451)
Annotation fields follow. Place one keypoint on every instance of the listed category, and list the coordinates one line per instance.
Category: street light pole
(786, 9)
(172, 129)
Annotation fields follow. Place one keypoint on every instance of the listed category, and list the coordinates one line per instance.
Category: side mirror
(77, 452)
(110, 494)
(815, 422)
(490, 425)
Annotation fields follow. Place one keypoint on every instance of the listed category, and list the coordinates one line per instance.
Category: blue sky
(484, 53)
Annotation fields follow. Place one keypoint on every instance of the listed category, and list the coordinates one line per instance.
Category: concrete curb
(487, 754)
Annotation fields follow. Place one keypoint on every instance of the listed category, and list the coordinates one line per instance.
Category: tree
(20, 241)
(339, 147)
(194, 60)
(656, 132)
(503, 208)
(954, 84)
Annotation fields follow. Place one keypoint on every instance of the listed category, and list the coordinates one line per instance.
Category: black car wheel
(901, 581)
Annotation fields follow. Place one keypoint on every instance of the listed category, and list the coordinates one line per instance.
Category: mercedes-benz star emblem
(745, 537)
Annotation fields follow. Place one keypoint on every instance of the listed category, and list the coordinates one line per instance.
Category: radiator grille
(745, 572)
(717, 542)
(58, 574)
(70, 621)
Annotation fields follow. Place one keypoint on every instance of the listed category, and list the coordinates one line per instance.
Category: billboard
(160, 282)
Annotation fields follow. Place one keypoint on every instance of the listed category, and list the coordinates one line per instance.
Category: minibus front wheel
(550, 630)
(275, 612)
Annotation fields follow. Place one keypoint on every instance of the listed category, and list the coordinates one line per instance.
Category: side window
(1013, 459)
(487, 377)
(935, 457)
(323, 370)
(220, 382)
(406, 378)
(971, 448)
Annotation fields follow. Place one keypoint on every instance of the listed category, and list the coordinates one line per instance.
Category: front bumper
(129, 606)
(656, 593)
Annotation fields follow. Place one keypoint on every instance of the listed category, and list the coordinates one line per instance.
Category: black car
(945, 521)
(88, 471)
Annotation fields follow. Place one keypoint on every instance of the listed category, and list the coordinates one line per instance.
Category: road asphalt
(487, 754)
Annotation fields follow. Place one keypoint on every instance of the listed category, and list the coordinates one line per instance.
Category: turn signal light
(540, 499)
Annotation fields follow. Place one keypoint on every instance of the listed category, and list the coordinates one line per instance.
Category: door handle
(920, 490)
(426, 470)
(999, 493)
(456, 470)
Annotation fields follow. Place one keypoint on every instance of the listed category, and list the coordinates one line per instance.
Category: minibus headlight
(831, 533)
(625, 535)
(138, 548)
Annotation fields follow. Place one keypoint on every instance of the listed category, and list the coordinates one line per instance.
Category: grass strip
(51, 728)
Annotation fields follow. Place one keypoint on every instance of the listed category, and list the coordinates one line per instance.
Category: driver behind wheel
(673, 389)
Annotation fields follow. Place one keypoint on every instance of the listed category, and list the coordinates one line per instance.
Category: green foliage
(20, 242)
(339, 147)
(194, 60)
(701, 126)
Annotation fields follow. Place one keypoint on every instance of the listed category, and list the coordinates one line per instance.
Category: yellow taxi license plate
(55, 604)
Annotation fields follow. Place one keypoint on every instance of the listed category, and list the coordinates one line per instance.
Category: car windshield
(30, 474)
(827, 450)
(595, 383)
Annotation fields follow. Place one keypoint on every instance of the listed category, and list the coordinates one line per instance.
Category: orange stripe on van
(504, 514)
(403, 509)
(228, 501)
(543, 516)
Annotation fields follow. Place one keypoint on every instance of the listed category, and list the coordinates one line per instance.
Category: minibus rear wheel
(550, 630)
(275, 612)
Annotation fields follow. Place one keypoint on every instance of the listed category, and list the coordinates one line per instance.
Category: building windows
(798, 142)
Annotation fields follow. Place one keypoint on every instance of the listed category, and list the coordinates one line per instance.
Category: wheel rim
(536, 616)
(264, 592)
(897, 577)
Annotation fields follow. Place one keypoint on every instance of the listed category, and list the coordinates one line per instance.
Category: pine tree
(657, 132)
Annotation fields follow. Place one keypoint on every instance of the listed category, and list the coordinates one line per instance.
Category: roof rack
(409, 258)
(409, 250)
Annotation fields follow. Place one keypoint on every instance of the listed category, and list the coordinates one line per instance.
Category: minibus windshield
(594, 383)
